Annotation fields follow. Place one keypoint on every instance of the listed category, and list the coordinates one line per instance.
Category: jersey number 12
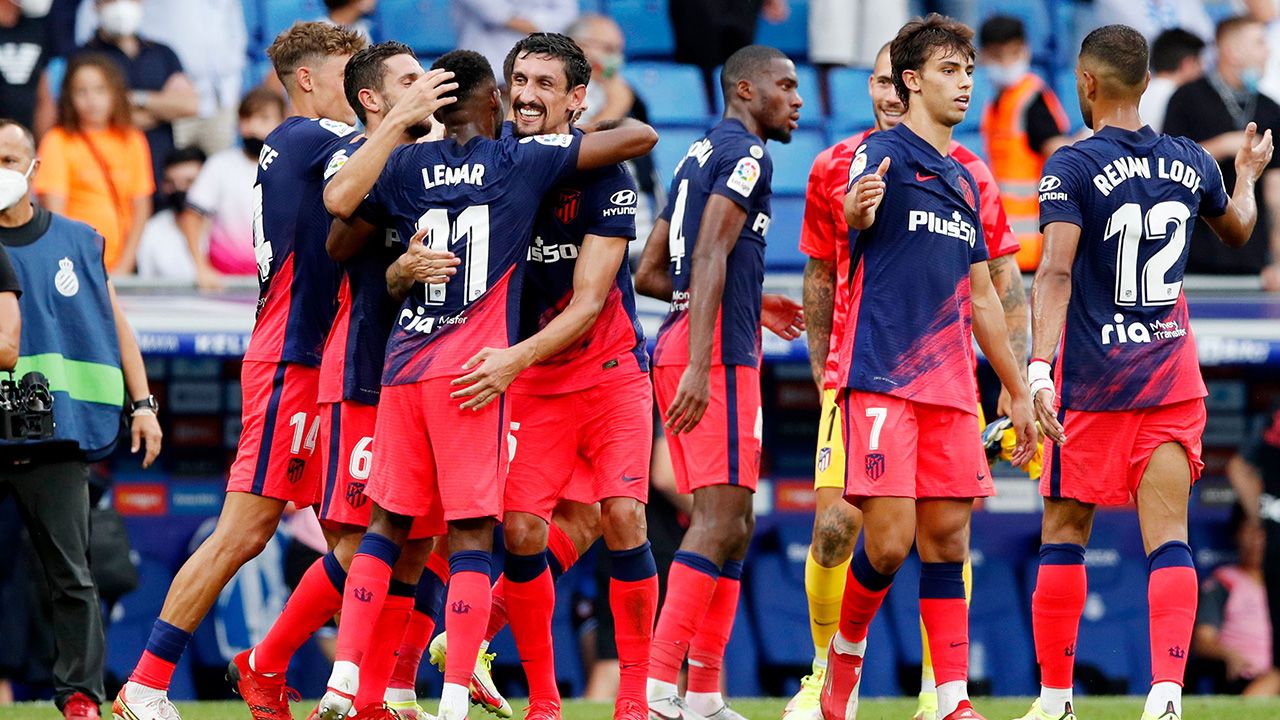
(1132, 227)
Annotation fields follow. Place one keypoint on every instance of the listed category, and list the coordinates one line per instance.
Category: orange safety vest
(1015, 164)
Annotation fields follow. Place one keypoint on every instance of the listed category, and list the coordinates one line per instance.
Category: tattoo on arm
(1013, 298)
(819, 304)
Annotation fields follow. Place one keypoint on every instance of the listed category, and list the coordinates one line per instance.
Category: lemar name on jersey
(1127, 342)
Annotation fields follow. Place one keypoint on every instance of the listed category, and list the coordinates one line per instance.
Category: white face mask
(35, 8)
(1008, 75)
(121, 18)
(13, 185)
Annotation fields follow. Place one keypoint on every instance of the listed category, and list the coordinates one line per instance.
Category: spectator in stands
(1213, 111)
(1175, 61)
(74, 332)
(1255, 476)
(851, 32)
(25, 94)
(211, 40)
(491, 27)
(1152, 17)
(610, 97)
(352, 15)
(159, 91)
(218, 218)
(1233, 626)
(94, 164)
(162, 251)
(707, 32)
(1022, 127)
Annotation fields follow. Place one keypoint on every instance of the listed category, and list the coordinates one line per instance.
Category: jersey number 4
(1132, 227)
(470, 229)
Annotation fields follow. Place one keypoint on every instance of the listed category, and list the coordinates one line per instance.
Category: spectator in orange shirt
(94, 164)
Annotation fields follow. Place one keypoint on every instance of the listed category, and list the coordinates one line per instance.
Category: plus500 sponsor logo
(955, 227)
(549, 253)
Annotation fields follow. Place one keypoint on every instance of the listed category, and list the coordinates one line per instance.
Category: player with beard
(274, 462)
(906, 364)
(582, 363)
(824, 237)
(375, 79)
(706, 256)
(1124, 408)
(443, 458)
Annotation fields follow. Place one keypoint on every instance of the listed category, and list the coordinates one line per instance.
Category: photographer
(75, 335)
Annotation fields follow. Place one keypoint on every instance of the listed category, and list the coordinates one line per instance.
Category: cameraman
(10, 317)
(75, 334)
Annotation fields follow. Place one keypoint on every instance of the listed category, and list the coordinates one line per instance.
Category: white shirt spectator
(1151, 17)
(223, 192)
(162, 251)
(851, 32)
(483, 25)
(1155, 101)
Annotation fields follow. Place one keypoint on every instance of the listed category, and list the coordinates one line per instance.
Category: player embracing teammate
(1124, 406)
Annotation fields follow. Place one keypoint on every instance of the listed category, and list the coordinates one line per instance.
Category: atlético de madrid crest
(967, 191)
(567, 205)
(66, 281)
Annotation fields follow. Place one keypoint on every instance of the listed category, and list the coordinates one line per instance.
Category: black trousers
(53, 498)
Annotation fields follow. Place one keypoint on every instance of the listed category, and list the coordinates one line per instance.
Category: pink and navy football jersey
(1133, 194)
(357, 344)
(601, 202)
(907, 327)
(297, 281)
(732, 162)
(478, 201)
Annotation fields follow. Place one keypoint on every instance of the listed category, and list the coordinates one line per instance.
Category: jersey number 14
(1132, 227)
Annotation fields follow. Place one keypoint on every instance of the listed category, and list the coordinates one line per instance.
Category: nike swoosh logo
(959, 644)
(628, 479)
(922, 178)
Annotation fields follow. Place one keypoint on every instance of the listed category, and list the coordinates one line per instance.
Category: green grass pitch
(1088, 708)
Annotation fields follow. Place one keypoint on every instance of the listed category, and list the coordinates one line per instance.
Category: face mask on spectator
(1008, 75)
(13, 185)
(1250, 77)
(252, 145)
(35, 8)
(121, 18)
(610, 65)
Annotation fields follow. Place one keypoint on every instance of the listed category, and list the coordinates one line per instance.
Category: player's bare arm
(722, 223)
(781, 315)
(989, 330)
(864, 197)
(1050, 294)
(419, 264)
(629, 140)
(651, 277)
(496, 368)
(347, 237)
(1235, 226)
(144, 427)
(819, 292)
(1006, 276)
(350, 185)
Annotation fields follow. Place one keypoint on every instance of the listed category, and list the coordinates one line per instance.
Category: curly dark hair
(365, 71)
(577, 69)
(918, 39)
(471, 71)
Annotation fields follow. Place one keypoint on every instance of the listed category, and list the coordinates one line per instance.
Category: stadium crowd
(151, 121)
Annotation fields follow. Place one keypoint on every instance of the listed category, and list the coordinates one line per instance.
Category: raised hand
(1255, 154)
(428, 93)
(865, 197)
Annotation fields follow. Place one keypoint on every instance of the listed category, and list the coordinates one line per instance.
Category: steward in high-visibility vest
(1018, 127)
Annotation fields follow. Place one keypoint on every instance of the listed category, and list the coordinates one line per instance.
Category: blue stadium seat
(673, 144)
(1034, 15)
(424, 25)
(648, 27)
(673, 93)
(982, 94)
(791, 36)
(278, 15)
(1064, 86)
(791, 161)
(253, 24)
(783, 249)
(810, 92)
(850, 101)
(1001, 650)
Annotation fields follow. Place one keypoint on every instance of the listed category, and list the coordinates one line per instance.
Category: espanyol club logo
(967, 191)
(66, 281)
(567, 205)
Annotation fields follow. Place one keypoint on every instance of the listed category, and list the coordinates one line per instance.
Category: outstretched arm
(1235, 226)
(1050, 294)
(629, 139)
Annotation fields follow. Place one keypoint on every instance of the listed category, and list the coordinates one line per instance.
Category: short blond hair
(309, 42)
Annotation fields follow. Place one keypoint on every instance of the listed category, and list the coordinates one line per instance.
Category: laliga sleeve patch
(335, 164)
(553, 140)
(340, 129)
(744, 176)
(859, 163)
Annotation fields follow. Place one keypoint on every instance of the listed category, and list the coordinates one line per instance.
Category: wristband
(1039, 376)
